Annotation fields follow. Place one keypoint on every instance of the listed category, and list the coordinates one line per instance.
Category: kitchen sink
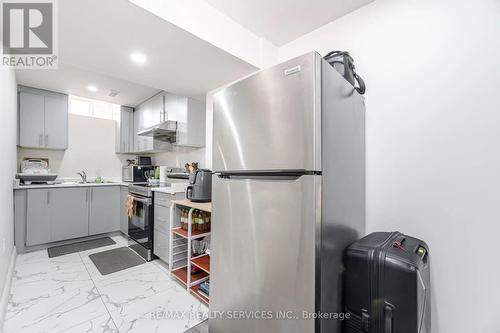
(87, 182)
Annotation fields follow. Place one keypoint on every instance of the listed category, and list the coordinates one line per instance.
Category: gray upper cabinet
(68, 213)
(158, 113)
(104, 209)
(189, 114)
(190, 117)
(149, 113)
(142, 120)
(43, 119)
(125, 131)
(191, 125)
(31, 119)
(56, 122)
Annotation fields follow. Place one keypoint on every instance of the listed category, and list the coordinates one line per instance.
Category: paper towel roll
(163, 174)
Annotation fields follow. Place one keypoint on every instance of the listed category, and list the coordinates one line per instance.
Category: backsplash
(91, 147)
(180, 156)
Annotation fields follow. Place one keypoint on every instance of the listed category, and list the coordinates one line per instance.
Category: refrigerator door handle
(266, 174)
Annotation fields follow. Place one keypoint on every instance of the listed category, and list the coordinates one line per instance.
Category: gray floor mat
(61, 250)
(200, 328)
(115, 260)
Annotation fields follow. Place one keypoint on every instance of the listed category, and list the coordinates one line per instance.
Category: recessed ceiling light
(92, 88)
(138, 58)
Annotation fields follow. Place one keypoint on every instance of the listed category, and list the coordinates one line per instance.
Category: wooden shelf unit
(181, 274)
(194, 292)
(202, 262)
(194, 234)
(204, 206)
(181, 242)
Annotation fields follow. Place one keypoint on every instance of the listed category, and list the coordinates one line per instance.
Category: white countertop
(172, 189)
(69, 184)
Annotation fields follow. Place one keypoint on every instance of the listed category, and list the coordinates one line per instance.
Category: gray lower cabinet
(123, 209)
(68, 213)
(161, 245)
(37, 217)
(162, 218)
(161, 241)
(104, 209)
(58, 214)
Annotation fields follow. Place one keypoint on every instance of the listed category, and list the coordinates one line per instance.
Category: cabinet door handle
(91, 194)
(87, 195)
(48, 197)
(40, 140)
(46, 140)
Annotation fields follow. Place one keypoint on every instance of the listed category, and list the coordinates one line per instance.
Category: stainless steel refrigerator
(288, 197)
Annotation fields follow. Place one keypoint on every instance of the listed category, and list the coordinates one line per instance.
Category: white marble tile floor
(68, 294)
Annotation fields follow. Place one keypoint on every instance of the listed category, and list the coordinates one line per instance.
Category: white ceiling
(74, 81)
(96, 39)
(281, 21)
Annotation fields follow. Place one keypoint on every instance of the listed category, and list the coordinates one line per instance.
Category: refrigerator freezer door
(271, 120)
(263, 253)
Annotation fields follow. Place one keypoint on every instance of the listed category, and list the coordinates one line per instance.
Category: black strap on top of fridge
(266, 174)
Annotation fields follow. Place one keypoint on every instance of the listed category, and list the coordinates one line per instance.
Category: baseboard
(4, 300)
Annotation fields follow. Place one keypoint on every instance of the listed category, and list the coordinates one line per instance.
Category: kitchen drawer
(160, 245)
(164, 199)
(162, 218)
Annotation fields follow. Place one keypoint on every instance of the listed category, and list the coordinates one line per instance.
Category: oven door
(140, 224)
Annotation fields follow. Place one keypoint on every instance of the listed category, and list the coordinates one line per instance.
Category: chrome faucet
(83, 175)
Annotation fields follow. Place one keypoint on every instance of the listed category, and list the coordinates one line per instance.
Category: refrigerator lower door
(263, 257)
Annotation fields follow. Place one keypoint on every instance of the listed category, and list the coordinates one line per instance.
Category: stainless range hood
(165, 131)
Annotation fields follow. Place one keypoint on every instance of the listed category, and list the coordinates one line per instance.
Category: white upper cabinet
(43, 119)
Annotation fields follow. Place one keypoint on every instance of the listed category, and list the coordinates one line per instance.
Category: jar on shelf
(207, 221)
(184, 219)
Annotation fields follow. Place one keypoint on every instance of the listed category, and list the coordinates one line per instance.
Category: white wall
(433, 136)
(91, 147)
(8, 134)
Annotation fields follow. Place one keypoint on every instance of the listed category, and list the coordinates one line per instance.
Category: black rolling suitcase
(387, 285)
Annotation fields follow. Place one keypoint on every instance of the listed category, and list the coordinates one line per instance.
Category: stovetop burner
(145, 190)
(150, 185)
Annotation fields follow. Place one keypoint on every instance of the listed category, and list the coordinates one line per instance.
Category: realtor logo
(28, 34)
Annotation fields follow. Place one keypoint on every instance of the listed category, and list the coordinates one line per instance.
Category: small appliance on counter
(200, 186)
(167, 173)
(138, 170)
(36, 171)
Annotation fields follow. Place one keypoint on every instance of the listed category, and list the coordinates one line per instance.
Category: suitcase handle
(388, 318)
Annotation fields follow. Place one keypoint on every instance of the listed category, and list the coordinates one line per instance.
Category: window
(92, 108)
